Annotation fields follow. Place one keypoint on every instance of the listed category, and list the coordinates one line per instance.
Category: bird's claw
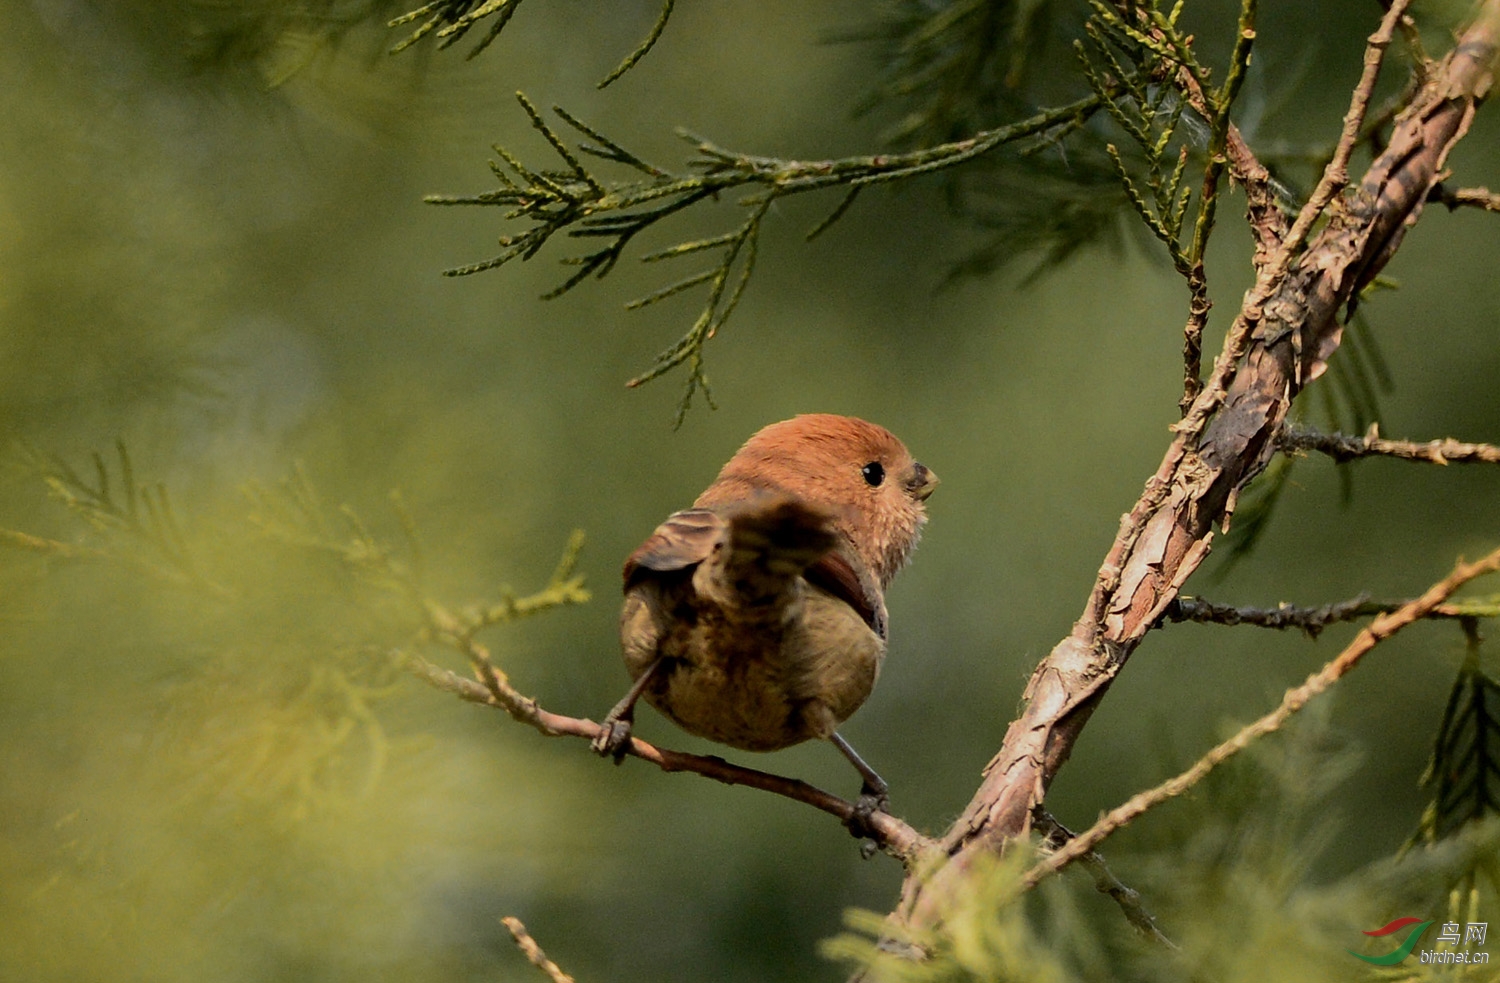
(870, 801)
(612, 740)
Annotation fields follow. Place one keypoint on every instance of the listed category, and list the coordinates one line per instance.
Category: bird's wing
(684, 539)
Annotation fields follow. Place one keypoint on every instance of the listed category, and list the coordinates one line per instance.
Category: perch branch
(494, 690)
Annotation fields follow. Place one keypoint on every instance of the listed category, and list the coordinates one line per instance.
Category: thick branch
(1281, 339)
(1082, 845)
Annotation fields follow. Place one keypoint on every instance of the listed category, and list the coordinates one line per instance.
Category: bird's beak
(923, 482)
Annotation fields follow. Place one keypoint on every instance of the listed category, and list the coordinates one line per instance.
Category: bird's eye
(874, 474)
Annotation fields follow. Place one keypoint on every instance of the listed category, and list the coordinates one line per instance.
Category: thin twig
(1218, 122)
(1264, 213)
(1295, 699)
(1342, 447)
(533, 952)
(894, 835)
(1055, 835)
(1376, 122)
(1262, 208)
(579, 205)
(644, 47)
(1336, 174)
(37, 544)
(1471, 197)
(1199, 304)
(1312, 620)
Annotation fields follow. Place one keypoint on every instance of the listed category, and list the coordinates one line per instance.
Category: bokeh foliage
(216, 254)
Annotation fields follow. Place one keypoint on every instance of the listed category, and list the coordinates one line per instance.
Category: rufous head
(858, 471)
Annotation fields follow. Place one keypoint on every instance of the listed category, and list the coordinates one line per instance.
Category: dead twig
(1312, 620)
(533, 952)
(1055, 835)
(1466, 197)
(1342, 447)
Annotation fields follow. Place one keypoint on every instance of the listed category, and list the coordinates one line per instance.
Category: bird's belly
(761, 690)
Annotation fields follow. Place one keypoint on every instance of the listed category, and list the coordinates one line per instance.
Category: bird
(757, 617)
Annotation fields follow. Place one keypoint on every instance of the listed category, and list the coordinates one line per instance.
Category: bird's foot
(613, 738)
(871, 800)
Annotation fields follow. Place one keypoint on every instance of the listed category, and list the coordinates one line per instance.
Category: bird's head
(858, 471)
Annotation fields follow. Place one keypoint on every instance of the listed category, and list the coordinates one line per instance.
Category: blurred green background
(234, 277)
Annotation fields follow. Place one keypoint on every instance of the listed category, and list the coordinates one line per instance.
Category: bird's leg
(614, 733)
(874, 786)
(873, 795)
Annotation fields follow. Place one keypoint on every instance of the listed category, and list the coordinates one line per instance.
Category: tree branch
(533, 952)
(1472, 197)
(578, 204)
(1336, 174)
(492, 689)
(1312, 620)
(1280, 340)
(300, 519)
(1295, 699)
(1055, 835)
(1342, 447)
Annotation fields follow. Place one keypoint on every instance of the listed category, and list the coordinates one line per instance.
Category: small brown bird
(757, 617)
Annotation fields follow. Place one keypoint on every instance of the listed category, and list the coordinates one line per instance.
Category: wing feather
(686, 538)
